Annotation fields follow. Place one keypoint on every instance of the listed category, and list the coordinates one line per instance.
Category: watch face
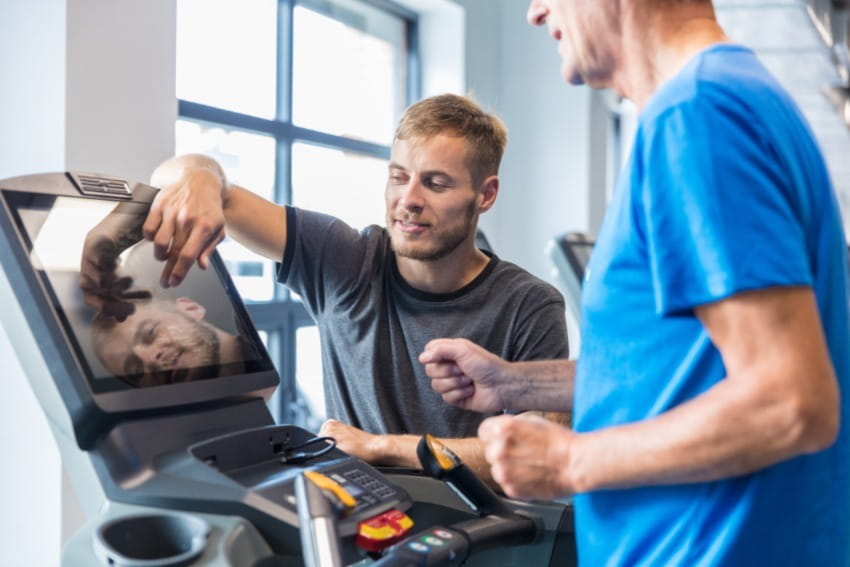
(126, 330)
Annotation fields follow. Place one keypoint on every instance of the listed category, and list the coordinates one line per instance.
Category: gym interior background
(116, 87)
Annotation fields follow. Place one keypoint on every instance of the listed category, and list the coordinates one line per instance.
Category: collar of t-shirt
(428, 296)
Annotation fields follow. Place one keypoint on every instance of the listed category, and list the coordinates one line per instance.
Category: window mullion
(285, 34)
(339, 142)
(285, 343)
(414, 67)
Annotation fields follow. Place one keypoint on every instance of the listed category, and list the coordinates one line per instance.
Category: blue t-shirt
(726, 191)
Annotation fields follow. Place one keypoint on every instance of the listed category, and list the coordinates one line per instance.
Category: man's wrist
(573, 451)
(378, 448)
(395, 450)
(226, 193)
(543, 385)
(517, 387)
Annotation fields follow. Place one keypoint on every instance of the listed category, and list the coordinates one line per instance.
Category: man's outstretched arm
(194, 205)
(400, 450)
(472, 378)
(105, 288)
(778, 400)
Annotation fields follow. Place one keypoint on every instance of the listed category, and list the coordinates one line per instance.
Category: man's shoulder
(318, 218)
(514, 279)
(724, 78)
(325, 250)
(314, 224)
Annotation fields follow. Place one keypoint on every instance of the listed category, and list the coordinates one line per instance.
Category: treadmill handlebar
(320, 542)
(448, 546)
(440, 462)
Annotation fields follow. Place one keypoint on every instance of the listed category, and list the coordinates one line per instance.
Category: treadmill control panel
(372, 492)
(256, 461)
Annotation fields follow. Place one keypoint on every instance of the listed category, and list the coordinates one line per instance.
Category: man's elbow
(818, 423)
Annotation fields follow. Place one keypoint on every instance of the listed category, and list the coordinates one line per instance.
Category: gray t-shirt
(373, 325)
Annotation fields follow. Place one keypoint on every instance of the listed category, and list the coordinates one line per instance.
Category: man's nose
(537, 13)
(150, 355)
(411, 196)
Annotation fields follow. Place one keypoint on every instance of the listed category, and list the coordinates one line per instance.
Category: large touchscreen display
(126, 329)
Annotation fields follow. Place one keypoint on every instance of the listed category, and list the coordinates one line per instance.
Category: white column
(86, 85)
(121, 102)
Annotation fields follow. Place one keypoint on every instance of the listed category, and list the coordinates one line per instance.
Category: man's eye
(398, 179)
(149, 332)
(436, 184)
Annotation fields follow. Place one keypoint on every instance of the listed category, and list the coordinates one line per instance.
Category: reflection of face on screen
(188, 333)
(163, 342)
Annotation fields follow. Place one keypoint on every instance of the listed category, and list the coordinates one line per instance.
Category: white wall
(441, 44)
(88, 86)
(32, 71)
(31, 476)
(513, 69)
(31, 114)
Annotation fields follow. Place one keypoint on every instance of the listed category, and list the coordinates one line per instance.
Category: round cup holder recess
(151, 540)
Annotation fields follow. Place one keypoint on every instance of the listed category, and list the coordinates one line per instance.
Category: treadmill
(157, 400)
(570, 253)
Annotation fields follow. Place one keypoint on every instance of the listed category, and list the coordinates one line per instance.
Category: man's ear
(487, 193)
(191, 308)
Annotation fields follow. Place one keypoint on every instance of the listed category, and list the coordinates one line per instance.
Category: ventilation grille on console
(99, 185)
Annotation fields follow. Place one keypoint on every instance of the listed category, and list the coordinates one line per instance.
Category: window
(298, 100)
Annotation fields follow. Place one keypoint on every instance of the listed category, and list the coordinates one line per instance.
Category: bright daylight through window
(297, 99)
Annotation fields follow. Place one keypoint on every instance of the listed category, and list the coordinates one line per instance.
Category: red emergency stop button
(382, 531)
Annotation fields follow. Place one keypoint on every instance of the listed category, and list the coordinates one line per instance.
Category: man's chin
(429, 248)
(414, 253)
(571, 75)
(421, 251)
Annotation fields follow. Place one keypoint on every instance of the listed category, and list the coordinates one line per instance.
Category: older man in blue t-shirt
(709, 425)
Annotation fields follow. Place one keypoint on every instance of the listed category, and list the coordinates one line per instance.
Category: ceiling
(787, 41)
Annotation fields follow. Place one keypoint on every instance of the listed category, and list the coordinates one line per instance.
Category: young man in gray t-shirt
(378, 296)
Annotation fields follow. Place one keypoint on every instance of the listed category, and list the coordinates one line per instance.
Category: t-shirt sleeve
(323, 257)
(541, 333)
(715, 206)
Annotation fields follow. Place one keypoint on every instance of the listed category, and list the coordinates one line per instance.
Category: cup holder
(151, 540)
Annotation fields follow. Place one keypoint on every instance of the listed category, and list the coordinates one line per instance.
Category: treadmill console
(263, 463)
(126, 345)
(166, 388)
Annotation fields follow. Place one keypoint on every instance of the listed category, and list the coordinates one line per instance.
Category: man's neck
(657, 44)
(447, 274)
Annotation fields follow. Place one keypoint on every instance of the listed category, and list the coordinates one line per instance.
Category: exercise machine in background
(570, 254)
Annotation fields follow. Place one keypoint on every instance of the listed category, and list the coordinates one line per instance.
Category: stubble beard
(446, 243)
(202, 340)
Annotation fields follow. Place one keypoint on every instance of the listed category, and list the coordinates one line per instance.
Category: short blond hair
(485, 133)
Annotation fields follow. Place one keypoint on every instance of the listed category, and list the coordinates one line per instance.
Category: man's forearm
(123, 230)
(779, 399)
(256, 223)
(545, 385)
(400, 451)
(176, 168)
(722, 433)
